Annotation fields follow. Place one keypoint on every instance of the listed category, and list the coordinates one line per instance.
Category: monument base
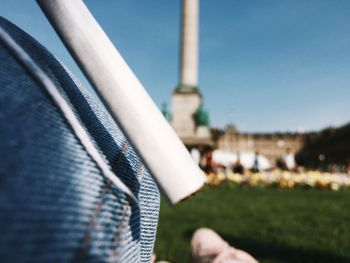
(203, 132)
(184, 107)
(185, 102)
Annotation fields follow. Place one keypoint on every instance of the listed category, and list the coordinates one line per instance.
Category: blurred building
(271, 145)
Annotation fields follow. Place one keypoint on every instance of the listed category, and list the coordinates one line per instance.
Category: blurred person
(210, 166)
(196, 155)
(289, 159)
(238, 167)
(256, 166)
(281, 164)
(347, 168)
(203, 160)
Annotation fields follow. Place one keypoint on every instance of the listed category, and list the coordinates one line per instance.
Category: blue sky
(265, 65)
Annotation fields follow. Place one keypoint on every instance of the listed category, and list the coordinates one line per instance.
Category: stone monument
(189, 119)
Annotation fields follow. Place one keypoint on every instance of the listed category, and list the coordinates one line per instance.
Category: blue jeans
(55, 203)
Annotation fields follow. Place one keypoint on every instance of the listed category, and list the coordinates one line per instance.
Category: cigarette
(162, 152)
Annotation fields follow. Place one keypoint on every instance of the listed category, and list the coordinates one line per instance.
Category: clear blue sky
(265, 65)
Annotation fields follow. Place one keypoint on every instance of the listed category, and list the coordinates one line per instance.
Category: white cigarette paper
(163, 153)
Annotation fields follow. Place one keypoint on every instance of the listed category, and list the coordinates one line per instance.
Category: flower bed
(282, 179)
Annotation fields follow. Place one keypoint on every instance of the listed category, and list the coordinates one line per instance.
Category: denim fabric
(55, 203)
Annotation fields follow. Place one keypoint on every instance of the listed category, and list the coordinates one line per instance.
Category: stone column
(189, 44)
(186, 98)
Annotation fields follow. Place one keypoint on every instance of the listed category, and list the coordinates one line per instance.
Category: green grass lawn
(273, 225)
